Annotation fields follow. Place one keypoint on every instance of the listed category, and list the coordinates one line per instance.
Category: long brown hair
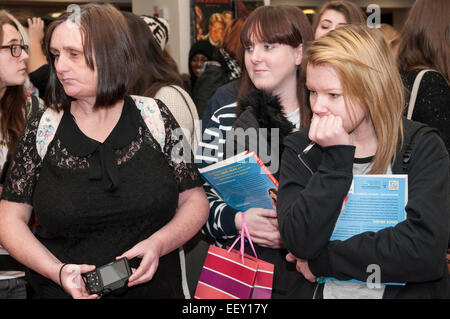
(369, 77)
(425, 38)
(231, 41)
(157, 70)
(12, 104)
(278, 24)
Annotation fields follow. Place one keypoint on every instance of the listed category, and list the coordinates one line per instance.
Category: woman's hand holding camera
(149, 251)
(71, 281)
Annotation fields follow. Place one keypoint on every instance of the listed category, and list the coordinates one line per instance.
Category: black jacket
(312, 189)
(209, 81)
(213, 77)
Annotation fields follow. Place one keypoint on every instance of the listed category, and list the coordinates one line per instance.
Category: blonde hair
(369, 78)
(391, 35)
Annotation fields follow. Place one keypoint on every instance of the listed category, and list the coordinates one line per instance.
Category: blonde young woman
(357, 101)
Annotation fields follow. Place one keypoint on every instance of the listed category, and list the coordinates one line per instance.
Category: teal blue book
(373, 203)
(242, 181)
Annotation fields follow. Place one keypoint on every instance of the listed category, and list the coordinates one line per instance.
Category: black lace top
(93, 201)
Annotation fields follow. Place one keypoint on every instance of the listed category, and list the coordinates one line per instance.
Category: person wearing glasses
(15, 107)
(16, 50)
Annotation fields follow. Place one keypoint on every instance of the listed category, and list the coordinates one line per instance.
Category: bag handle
(244, 232)
(415, 89)
(188, 105)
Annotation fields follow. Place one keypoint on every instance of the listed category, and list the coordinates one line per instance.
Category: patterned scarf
(232, 65)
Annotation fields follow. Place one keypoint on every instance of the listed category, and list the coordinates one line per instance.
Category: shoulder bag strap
(151, 115)
(187, 104)
(412, 143)
(190, 111)
(47, 128)
(415, 89)
(148, 107)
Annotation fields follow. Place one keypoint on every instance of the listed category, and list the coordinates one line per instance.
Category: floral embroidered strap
(46, 130)
(152, 117)
(148, 108)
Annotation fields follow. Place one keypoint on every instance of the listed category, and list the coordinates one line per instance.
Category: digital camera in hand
(109, 278)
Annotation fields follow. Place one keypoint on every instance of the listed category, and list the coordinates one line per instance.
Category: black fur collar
(267, 111)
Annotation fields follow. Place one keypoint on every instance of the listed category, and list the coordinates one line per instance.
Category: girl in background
(424, 45)
(334, 14)
(15, 106)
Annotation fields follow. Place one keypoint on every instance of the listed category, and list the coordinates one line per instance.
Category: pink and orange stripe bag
(232, 274)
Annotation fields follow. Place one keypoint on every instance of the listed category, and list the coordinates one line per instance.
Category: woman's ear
(299, 54)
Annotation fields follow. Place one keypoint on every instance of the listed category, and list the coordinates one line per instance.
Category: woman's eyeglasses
(16, 49)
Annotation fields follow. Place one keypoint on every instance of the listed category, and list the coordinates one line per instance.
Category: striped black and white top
(220, 224)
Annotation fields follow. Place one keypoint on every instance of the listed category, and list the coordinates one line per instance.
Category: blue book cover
(242, 181)
(373, 203)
